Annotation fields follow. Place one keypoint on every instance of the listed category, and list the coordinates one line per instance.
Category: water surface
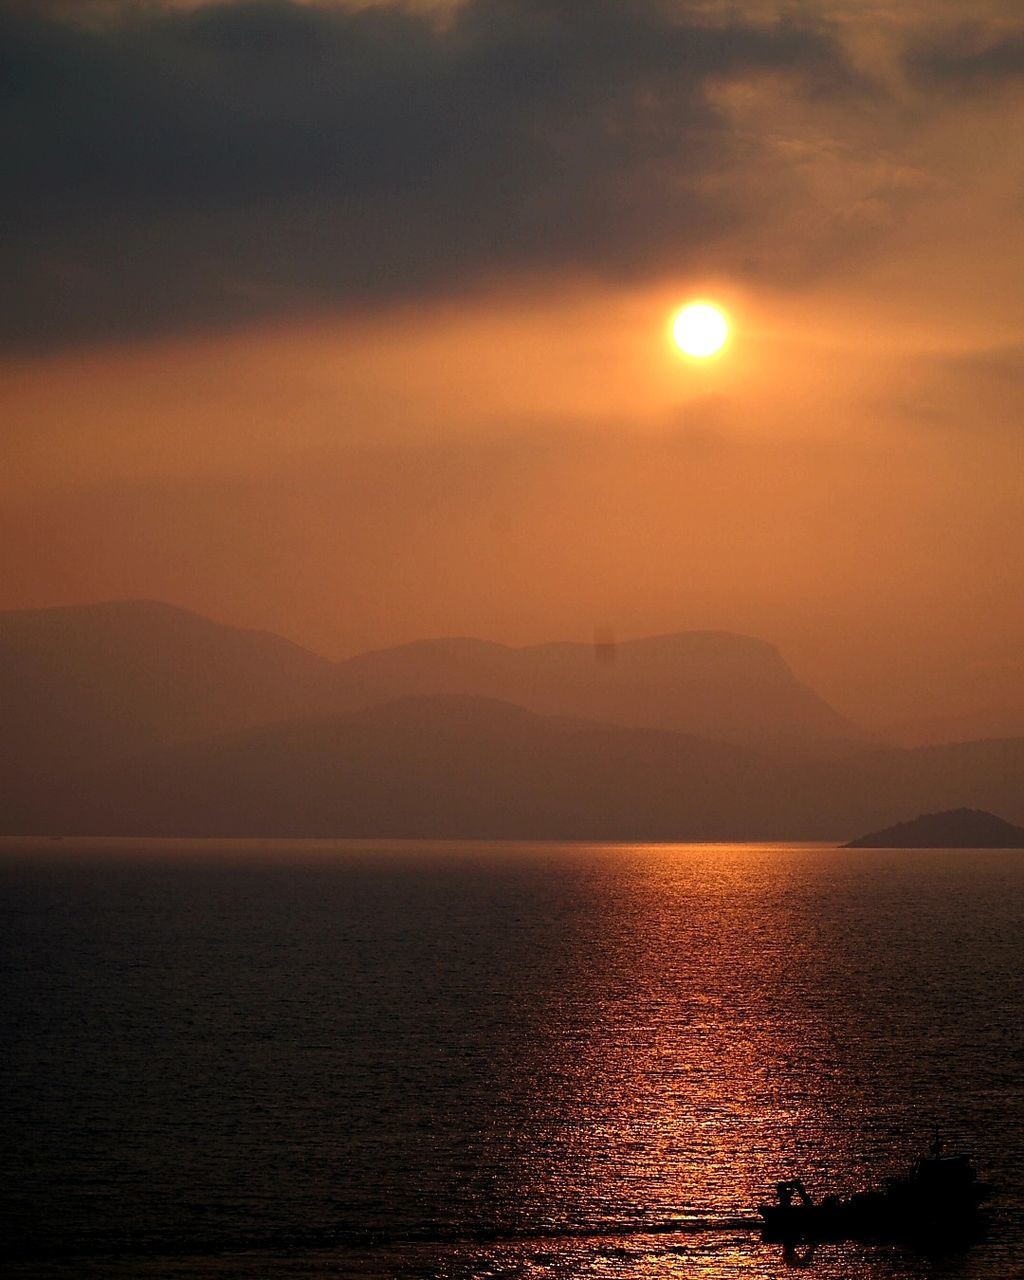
(340, 1059)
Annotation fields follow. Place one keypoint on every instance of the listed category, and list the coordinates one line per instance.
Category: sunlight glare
(700, 330)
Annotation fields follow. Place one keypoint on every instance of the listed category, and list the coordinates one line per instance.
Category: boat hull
(875, 1216)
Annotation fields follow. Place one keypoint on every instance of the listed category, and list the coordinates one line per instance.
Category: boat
(938, 1198)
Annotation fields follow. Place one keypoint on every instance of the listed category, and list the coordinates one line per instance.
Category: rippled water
(304, 1060)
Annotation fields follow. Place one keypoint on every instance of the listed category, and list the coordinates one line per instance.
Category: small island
(952, 829)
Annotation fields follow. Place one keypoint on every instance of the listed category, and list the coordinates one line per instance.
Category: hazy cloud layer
(974, 56)
(177, 167)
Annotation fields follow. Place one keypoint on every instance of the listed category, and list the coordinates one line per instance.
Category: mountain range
(141, 718)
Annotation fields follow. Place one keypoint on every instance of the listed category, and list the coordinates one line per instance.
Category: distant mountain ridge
(462, 767)
(122, 675)
(443, 767)
(712, 683)
(154, 671)
(85, 687)
(139, 718)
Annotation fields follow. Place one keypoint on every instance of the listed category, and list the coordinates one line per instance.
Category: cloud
(974, 56)
(174, 167)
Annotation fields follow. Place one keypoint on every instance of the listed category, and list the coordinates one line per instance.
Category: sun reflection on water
(705, 1064)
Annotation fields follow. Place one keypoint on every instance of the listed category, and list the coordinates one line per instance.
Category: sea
(298, 1060)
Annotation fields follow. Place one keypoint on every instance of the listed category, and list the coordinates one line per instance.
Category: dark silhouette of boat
(937, 1199)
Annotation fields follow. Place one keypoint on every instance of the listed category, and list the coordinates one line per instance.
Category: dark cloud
(972, 57)
(172, 168)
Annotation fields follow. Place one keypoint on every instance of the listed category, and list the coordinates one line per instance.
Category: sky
(352, 322)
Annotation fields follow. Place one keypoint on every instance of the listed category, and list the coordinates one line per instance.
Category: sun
(700, 330)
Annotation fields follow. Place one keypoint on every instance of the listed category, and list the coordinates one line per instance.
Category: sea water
(466, 1060)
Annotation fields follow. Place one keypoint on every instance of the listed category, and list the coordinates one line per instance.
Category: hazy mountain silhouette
(125, 673)
(472, 767)
(84, 686)
(139, 717)
(711, 683)
(443, 767)
(952, 829)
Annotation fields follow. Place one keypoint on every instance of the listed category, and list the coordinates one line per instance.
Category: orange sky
(519, 454)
